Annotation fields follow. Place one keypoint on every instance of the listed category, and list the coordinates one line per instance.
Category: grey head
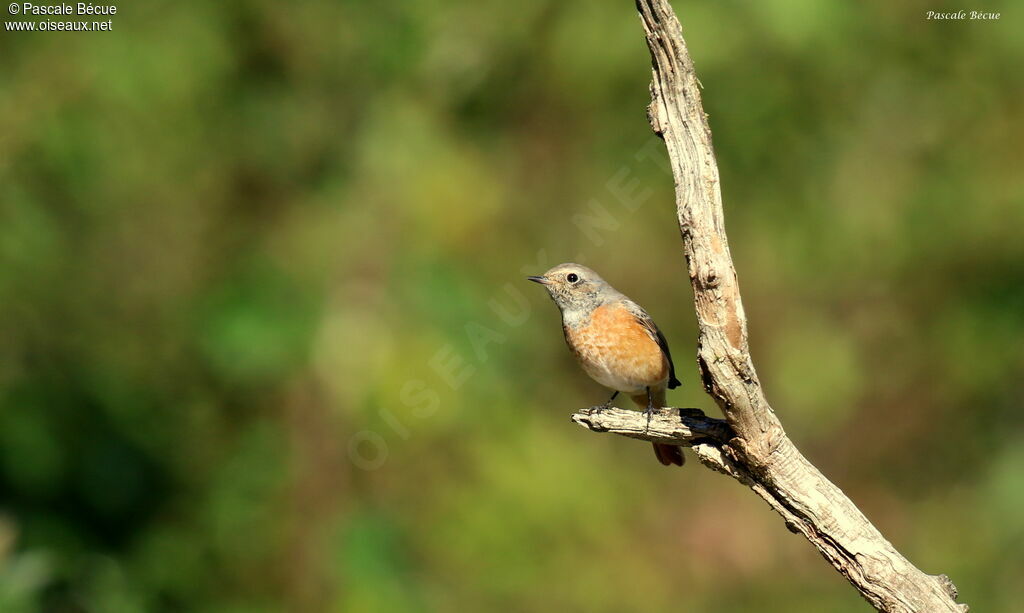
(576, 290)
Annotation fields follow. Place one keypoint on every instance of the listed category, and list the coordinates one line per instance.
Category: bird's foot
(648, 412)
(608, 405)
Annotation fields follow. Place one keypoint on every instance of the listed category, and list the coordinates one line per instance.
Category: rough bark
(750, 444)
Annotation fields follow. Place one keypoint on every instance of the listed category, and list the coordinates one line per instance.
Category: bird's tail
(669, 454)
(666, 454)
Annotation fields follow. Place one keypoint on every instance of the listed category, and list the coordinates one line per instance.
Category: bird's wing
(645, 320)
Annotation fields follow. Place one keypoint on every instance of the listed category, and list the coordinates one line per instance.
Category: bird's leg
(608, 404)
(650, 407)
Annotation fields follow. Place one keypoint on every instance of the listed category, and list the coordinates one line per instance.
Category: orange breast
(617, 351)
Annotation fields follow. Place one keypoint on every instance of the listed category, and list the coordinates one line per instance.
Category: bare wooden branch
(678, 426)
(706, 436)
(758, 453)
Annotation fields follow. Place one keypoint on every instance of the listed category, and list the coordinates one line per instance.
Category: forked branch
(750, 444)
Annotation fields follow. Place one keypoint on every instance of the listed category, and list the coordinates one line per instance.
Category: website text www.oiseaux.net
(61, 26)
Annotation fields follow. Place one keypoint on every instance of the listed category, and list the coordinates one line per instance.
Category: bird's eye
(572, 277)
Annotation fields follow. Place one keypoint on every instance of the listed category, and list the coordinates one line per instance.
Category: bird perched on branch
(614, 340)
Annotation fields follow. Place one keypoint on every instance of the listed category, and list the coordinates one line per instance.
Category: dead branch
(750, 444)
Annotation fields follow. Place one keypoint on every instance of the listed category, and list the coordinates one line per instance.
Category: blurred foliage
(267, 346)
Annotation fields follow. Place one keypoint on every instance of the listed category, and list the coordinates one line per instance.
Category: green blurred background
(266, 345)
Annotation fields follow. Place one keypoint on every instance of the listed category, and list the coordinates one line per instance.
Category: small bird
(614, 340)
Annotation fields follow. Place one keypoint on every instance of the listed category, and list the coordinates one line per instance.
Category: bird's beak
(541, 280)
